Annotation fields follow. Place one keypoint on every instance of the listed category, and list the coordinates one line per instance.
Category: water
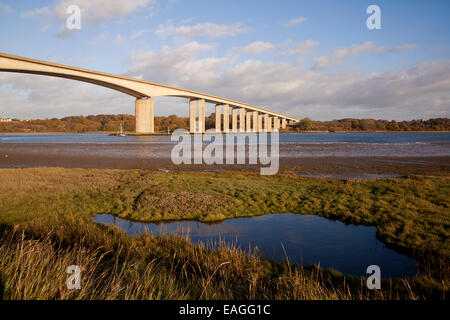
(88, 138)
(292, 145)
(307, 239)
(303, 138)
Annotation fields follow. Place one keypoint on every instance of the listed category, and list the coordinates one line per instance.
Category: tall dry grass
(33, 261)
(52, 209)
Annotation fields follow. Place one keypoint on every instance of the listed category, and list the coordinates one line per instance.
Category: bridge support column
(192, 115)
(226, 118)
(283, 123)
(194, 125)
(145, 121)
(267, 123)
(234, 119)
(242, 119)
(201, 115)
(255, 121)
(248, 122)
(276, 123)
(218, 118)
(260, 123)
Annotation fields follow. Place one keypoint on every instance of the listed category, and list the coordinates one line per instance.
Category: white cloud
(421, 91)
(138, 34)
(98, 11)
(98, 39)
(338, 55)
(300, 49)
(296, 21)
(5, 8)
(404, 47)
(93, 12)
(176, 65)
(44, 11)
(258, 47)
(118, 39)
(201, 30)
(44, 28)
(286, 49)
(63, 32)
(32, 96)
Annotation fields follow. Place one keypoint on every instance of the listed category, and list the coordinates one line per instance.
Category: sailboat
(120, 132)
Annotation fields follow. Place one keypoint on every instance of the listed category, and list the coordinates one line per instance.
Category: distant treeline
(350, 124)
(97, 123)
(111, 123)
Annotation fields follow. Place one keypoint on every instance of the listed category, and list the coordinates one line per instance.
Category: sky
(315, 59)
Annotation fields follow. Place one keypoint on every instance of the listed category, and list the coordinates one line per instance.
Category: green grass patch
(55, 207)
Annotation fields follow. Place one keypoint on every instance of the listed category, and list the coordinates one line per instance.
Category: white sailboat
(120, 132)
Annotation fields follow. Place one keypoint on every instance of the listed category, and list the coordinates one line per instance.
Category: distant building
(5, 120)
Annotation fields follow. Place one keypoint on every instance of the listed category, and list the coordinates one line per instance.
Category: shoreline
(157, 159)
(167, 134)
(331, 161)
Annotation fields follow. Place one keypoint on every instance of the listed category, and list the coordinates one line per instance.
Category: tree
(393, 126)
(367, 124)
(305, 124)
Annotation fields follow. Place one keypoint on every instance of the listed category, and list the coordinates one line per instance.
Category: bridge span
(251, 118)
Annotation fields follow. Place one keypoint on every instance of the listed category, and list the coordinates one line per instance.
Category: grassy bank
(116, 266)
(52, 210)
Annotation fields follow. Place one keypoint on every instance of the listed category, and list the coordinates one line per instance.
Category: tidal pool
(305, 239)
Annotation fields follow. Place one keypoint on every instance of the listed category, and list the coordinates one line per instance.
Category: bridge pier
(242, 114)
(145, 121)
(226, 118)
(248, 122)
(267, 123)
(234, 119)
(276, 123)
(192, 115)
(194, 125)
(218, 118)
(255, 121)
(201, 115)
(260, 123)
(144, 107)
(283, 123)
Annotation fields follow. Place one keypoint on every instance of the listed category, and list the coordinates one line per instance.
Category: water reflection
(306, 239)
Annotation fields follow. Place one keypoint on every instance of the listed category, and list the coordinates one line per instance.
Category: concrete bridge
(251, 118)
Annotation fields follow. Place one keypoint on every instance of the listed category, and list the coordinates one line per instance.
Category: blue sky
(313, 59)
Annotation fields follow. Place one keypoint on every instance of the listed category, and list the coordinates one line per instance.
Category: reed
(46, 225)
(33, 261)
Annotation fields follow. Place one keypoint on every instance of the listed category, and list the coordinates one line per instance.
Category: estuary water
(292, 145)
(305, 239)
(314, 138)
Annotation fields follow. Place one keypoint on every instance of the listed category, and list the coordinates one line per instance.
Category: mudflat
(328, 164)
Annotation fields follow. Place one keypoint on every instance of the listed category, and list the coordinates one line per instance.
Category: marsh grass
(33, 261)
(51, 210)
